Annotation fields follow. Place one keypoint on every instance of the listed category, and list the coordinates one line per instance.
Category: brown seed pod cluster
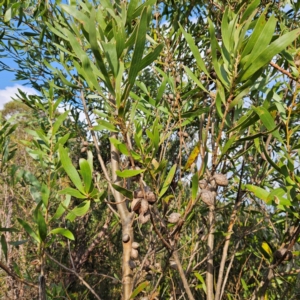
(278, 254)
(134, 254)
(140, 203)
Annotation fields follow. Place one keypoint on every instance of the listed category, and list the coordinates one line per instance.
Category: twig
(76, 274)
(283, 71)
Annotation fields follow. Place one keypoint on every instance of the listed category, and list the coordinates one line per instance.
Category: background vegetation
(160, 157)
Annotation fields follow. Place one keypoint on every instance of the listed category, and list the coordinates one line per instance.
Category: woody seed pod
(131, 264)
(125, 238)
(144, 218)
(150, 197)
(138, 193)
(278, 254)
(134, 253)
(83, 149)
(221, 179)
(144, 206)
(202, 184)
(85, 143)
(173, 218)
(135, 245)
(136, 204)
(207, 197)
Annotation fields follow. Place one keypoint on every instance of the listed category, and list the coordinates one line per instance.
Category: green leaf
(249, 10)
(110, 51)
(71, 10)
(258, 192)
(4, 245)
(29, 230)
(104, 125)
(86, 174)
(168, 181)
(273, 49)
(72, 192)
(65, 232)
(139, 48)
(262, 42)
(45, 192)
(18, 243)
(268, 121)
(62, 208)
(79, 210)
(214, 50)
(70, 169)
(195, 180)
(59, 121)
(129, 173)
(194, 50)
(195, 79)
(139, 289)
(151, 57)
(42, 226)
(128, 194)
(11, 229)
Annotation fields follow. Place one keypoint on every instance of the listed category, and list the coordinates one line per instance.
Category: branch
(14, 276)
(283, 71)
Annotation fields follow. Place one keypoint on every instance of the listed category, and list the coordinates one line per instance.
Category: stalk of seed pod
(220, 179)
(207, 197)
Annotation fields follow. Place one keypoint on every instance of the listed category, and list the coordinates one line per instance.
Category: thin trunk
(182, 275)
(127, 230)
(210, 260)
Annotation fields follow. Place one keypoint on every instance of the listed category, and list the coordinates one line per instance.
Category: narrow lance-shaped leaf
(65, 232)
(129, 173)
(86, 174)
(139, 289)
(128, 194)
(4, 245)
(42, 226)
(195, 51)
(139, 48)
(79, 210)
(258, 192)
(72, 192)
(193, 156)
(195, 180)
(268, 121)
(272, 50)
(168, 181)
(70, 169)
(29, 230)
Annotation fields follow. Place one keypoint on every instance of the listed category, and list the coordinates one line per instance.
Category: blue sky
(9, 87)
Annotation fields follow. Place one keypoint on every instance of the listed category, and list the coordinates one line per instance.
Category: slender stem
(182, 275)
(210, 260)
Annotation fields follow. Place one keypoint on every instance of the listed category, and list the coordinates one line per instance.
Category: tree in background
(173, 170)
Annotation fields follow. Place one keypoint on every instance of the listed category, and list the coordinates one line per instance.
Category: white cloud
(11, 91)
